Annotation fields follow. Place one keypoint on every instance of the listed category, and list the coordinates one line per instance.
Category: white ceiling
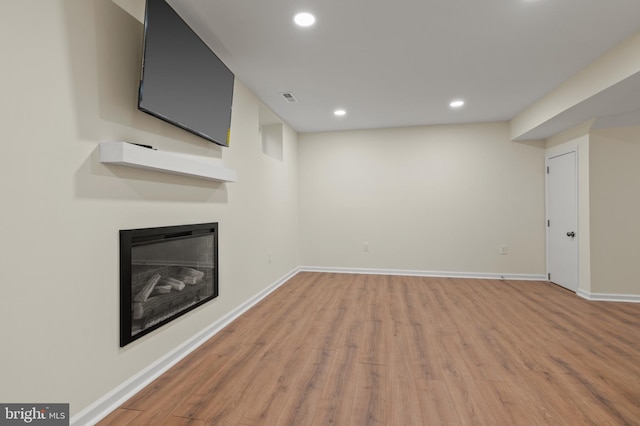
(399, 63)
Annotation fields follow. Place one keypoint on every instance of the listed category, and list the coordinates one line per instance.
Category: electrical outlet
(269, 256)
(365, 246)
(504, 250)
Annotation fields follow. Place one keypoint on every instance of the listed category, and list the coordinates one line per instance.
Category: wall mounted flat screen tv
(182, 81)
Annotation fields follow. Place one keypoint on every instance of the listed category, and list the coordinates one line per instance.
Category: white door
(562, 220)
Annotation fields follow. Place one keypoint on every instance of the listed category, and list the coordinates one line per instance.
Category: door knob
(571, 234)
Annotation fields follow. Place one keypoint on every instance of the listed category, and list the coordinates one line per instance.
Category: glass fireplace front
(164, 273)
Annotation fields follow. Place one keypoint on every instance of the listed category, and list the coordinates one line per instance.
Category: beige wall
(441, 198)
(69, 81)
(615, 209)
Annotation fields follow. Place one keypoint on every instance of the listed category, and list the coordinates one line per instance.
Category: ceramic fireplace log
(137, 311)
(161, 289)
(144, 294)
(175, 284)
(191, 276)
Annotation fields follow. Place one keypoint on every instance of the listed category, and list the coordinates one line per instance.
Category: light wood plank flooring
(340, 349)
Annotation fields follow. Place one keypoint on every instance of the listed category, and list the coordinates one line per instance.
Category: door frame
(548, 156)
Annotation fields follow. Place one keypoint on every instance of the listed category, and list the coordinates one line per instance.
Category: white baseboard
(605, 297)
(109, 402)
(418, 273)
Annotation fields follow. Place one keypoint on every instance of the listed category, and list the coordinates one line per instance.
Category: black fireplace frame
(130, 238)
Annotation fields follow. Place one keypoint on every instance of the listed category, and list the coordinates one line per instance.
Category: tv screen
(183, 82)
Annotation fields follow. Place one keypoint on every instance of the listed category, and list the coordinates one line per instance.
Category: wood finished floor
(339, 349)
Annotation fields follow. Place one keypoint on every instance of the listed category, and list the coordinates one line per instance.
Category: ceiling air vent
(288, 96)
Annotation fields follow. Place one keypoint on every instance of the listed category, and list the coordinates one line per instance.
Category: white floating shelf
(127, 154)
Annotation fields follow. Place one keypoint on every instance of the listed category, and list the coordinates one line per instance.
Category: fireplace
(164, 273)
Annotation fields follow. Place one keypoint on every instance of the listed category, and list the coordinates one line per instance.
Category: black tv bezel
(164, 118)
(131, 237)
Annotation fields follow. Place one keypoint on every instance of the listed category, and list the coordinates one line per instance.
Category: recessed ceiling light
(339, 112)
(304, 19)
(457, 103)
